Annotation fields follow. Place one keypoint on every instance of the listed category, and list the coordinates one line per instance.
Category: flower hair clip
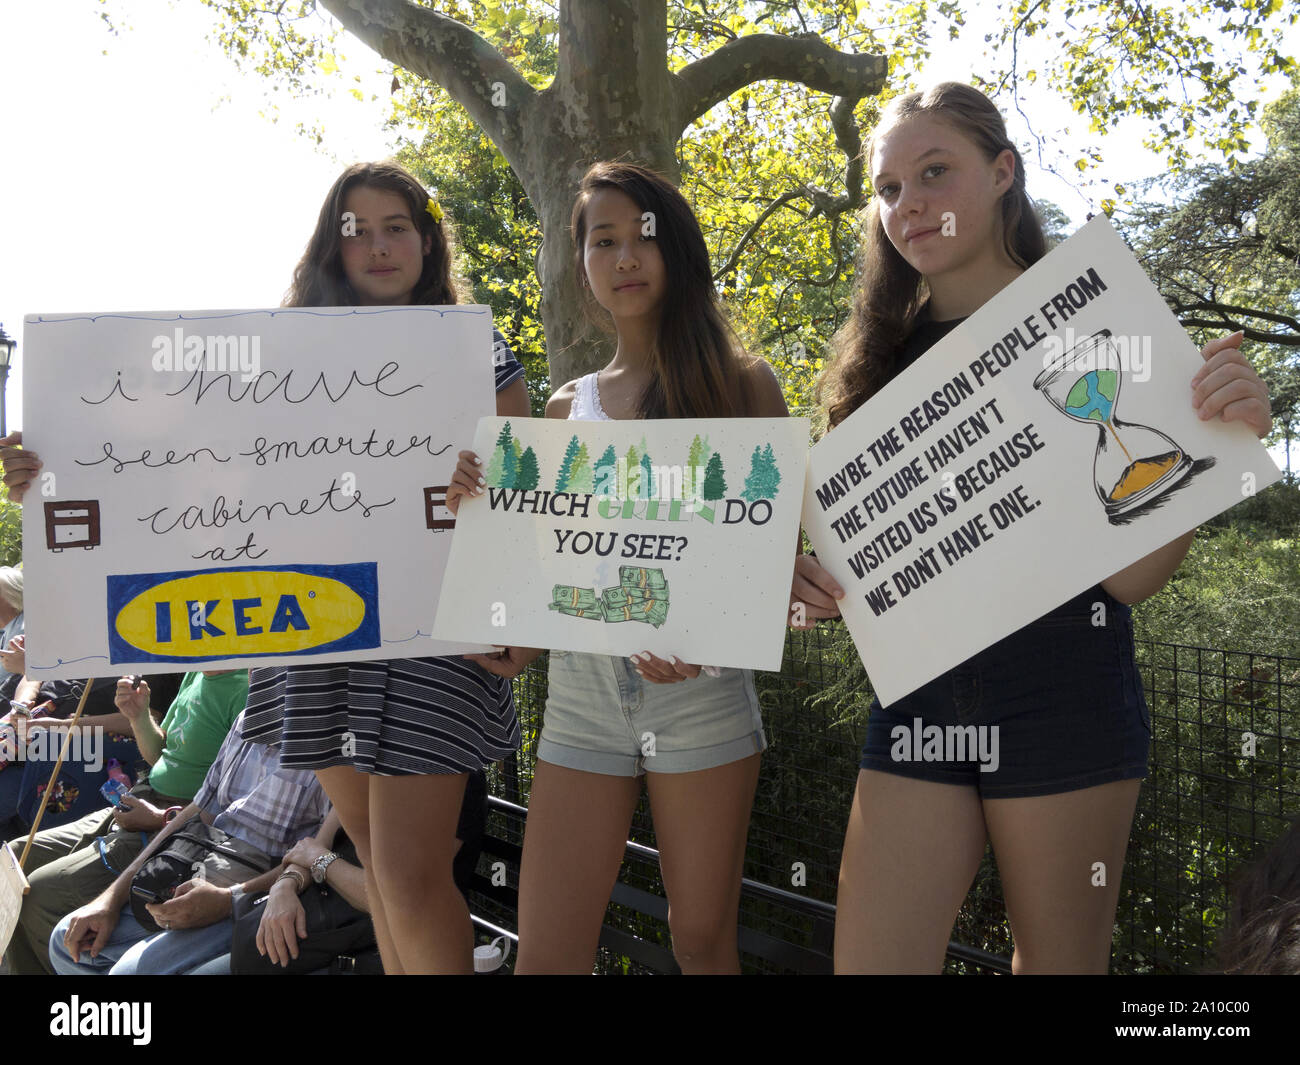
(435, 209)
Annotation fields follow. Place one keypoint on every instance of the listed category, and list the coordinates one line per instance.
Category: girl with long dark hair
(1063, 692)
(640, 256)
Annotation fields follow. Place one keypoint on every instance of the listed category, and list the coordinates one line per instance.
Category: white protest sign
(242, 488)
(1042, 446)
(676, 537)
(13, 886)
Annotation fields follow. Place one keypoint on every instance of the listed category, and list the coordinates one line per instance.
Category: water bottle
(490, 957)
(116, 772)
(113, 790)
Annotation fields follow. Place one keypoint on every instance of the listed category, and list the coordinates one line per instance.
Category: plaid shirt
(255, 800)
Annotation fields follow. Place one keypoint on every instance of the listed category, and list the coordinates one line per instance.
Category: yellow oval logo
(256, 611)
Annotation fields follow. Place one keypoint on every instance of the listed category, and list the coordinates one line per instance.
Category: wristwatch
(319, 866)
(235, 891)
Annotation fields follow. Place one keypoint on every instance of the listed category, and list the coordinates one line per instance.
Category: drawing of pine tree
(566, 466)
(694, 456)
(511, 464)
(693, 474)
(773, 483)
(754, 482)
(764, 477)
(497, 464)
(648, 487)
(715, 484)
(607, 473)
(527, 475)
(632, 488)
(580, 478)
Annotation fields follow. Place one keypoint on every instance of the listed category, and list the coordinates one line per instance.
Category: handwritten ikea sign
(245, 513)
(242, 612)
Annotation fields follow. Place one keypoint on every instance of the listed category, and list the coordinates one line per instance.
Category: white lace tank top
(586, 401)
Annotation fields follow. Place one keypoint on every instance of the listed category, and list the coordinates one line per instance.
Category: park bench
(811, 955)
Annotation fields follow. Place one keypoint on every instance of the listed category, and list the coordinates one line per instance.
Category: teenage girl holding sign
(642, 257)
(1064, 692)
(394, 743)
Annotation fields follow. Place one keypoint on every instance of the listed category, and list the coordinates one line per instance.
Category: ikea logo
(247, 611)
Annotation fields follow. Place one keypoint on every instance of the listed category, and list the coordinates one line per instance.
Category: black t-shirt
(925, 335)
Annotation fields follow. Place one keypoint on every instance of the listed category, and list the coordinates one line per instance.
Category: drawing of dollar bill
(642, 579)
(573, 597)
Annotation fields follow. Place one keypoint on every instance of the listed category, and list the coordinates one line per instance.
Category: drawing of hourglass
(1134, 463)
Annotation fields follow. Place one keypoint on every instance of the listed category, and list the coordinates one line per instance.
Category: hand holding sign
(466, 480)
(814, 595)
(1228, 387)
(245, 511)
(662, 671)
(1043, 446)
(627, 538)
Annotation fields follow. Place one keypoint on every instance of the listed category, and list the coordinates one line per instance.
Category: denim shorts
(1054, 707)
(601, 717)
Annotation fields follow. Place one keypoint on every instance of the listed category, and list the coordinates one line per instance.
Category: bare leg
(573, 847)
(1047, 848)
(910, 853)
(702, 823)
(413, 841)
(349, 791)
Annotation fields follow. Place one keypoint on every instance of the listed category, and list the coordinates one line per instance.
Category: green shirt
(196, 725)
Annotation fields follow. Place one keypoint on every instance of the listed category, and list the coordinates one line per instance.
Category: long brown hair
(889, 292)
(699, 368)
(319, 280)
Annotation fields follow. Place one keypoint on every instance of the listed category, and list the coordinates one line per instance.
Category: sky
(131, 188)
(141, 175)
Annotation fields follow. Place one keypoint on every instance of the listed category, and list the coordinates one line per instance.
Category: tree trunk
(613, 97)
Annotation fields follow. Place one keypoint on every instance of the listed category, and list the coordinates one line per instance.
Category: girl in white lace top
(695, 736)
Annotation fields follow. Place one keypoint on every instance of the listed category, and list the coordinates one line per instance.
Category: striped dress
(390, 718)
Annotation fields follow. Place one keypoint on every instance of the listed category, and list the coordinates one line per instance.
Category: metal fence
(1224, 783)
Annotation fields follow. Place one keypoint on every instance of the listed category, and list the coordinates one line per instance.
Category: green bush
(1239, 588)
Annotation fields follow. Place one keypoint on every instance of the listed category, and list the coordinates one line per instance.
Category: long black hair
(699, 366)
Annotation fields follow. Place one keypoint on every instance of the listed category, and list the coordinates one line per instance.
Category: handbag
(339, 936)
(195, 846)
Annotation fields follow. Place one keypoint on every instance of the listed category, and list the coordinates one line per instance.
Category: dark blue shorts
(1055, 707)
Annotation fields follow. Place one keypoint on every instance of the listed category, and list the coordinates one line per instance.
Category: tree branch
(1229, 309)
(1251, 334)
(752, 231)
(768, 56)
(849, 141)
(449, 53)
(831, 207)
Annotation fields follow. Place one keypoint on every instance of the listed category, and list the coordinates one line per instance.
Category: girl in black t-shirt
(950, 226)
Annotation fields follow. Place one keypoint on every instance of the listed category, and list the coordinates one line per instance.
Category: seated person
(67, 866)
(283, 928)
(283, 924)
(260, 809)
(11, 615)
(32, 734)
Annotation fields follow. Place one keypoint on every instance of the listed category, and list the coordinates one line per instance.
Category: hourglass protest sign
(1134, 464)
